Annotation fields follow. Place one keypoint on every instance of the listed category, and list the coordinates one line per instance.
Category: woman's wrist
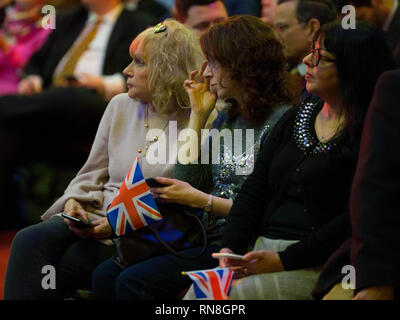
(201, 199)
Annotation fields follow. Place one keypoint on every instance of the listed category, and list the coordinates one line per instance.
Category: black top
(299, 190)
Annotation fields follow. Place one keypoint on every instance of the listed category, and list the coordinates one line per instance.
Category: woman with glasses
(291, 213)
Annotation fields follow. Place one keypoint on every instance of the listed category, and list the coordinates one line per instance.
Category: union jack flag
(134, 207)
(212, 284)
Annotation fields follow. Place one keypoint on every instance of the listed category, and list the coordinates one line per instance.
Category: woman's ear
(313, 26)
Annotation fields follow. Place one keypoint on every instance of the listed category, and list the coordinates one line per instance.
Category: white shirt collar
(109, 17)
(391, 15)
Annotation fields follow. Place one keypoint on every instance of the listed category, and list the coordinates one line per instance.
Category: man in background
(296, 22)
(385, 15)
(200, 15)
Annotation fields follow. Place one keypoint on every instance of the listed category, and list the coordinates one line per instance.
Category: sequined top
(224, 175)
(304, 134)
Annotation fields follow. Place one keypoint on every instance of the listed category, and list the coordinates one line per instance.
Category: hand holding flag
(134, 207)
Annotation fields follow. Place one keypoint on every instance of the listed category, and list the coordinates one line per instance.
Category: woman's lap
(156, 278)
(50, 243)
(286, 285)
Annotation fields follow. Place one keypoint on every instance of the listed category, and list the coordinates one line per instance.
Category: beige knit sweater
(120, 134)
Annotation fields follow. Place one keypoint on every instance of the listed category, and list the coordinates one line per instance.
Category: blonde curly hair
(171, 56)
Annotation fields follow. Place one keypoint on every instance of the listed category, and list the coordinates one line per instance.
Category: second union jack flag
(134, 207)
(212, 284)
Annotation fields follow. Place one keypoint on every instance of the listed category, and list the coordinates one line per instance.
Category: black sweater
(299, 190)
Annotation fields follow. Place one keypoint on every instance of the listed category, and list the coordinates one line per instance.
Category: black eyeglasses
(317, 56)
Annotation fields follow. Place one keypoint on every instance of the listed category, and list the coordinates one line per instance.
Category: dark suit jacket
(393, 36)
(374, 249)
(68, 28)
(375, 199)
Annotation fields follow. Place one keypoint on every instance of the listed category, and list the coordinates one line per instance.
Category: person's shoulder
(134, 18)
(391, 76)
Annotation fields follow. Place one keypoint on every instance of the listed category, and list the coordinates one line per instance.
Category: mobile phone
(218, 255)
(153, 183)
(78, 223)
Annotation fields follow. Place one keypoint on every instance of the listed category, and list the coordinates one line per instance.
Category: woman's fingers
(202, 69)
(193, 74)
(167, 181)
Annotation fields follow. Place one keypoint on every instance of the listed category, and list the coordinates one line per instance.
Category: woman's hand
(202, 100)
(180, 192)
(101, 229)
(237, 265)
(74, 209)
(254, 262)
(263, 261)
(376, 293)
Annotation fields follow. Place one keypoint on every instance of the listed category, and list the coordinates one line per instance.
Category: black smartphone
(153, 183)
(78, 223)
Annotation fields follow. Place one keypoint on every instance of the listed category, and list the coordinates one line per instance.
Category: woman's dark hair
(362, 54)
(247, 48)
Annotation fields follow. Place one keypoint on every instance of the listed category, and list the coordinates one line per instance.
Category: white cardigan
(120, 134)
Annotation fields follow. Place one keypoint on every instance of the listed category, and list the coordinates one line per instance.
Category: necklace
(154, 138)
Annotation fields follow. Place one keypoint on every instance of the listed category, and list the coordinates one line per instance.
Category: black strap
(179, 255)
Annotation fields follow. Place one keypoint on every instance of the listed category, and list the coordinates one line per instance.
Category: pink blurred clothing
(24, 38)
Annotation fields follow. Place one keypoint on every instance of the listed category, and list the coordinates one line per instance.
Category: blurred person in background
(268, 10)
(21, 35)
(200, 15)
(296, 22)
(385, 15)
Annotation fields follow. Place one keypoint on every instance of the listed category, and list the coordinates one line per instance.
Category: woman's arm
(87, 186)
(202, 102)
(183, 193)
(316, 248)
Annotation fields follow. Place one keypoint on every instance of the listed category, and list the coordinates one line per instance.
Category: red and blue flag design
(134, 207)
(212, 284)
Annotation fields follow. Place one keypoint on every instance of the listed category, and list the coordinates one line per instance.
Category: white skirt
(285, 285)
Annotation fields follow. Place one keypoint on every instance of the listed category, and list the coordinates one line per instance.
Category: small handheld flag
(134, 207)
(212, 284)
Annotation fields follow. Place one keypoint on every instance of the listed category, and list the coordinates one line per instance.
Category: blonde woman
(155, 97)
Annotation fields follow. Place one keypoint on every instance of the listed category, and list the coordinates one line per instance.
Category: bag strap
(173, 251)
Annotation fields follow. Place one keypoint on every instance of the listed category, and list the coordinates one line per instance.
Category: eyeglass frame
(316, 57)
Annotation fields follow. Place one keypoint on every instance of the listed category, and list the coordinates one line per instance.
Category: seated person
(65, 89)
(374, 248)
(291, 213)
(249, 74)
(155, 97)
(20, 36)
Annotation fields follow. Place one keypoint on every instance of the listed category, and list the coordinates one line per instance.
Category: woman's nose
(307, 60)
(128, 71)
(207, 71)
